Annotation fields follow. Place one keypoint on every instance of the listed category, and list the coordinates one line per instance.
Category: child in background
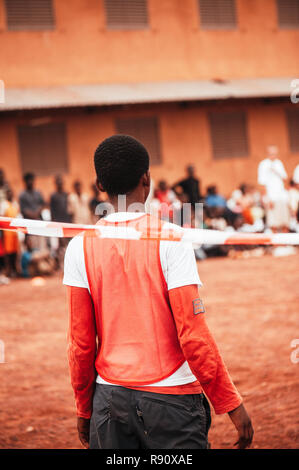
(3, 279)
(10, 239)
(35, 262)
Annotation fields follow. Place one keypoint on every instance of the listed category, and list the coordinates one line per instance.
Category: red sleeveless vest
(138, 343)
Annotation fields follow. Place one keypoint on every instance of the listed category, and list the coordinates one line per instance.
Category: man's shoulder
(37, 193)
(279, 162)
(171, 226)
(75, 244)
(23, 194)
(74, 250)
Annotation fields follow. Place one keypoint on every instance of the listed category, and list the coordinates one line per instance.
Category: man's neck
(129, 203)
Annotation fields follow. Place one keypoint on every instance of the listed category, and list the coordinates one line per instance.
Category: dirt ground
(252, 308)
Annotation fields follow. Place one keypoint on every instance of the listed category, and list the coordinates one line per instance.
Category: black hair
(28, 177)
(120, 161)
(211, 190)
(243, 187)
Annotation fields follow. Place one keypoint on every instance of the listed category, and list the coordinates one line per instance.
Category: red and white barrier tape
(197, 236)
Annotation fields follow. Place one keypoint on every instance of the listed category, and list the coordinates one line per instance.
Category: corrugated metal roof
(151, 92)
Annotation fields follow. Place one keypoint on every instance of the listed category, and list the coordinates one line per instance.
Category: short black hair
(120, 161)
(28, 177)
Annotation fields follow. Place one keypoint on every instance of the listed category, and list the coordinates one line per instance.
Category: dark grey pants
(132, 419)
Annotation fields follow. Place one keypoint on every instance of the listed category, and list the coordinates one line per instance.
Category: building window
(43, 148)
(229, 134)
(29, 14)
(217, 14)
(293, 128)
(126, 14)
(146, 130)
(288, 13)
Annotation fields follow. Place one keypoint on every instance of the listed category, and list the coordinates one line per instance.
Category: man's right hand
(83, 431)
(242, 422)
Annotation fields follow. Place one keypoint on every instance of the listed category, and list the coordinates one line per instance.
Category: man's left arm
(81, 355)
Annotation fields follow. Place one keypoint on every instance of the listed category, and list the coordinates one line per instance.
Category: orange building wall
(174, 47)
(185, 139)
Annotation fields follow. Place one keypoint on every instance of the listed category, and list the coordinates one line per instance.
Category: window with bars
(29, 14)
(126, 14)
(293, 128)
(43, 148)
(146, 130)
(288, 13)
(217, 14)
(229, 134)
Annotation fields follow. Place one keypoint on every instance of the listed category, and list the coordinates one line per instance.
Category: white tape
(195, 236)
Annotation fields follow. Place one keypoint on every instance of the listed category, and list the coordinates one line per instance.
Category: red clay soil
(252, 309)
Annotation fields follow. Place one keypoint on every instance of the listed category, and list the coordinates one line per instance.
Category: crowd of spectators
(271, 205)
(31, 256)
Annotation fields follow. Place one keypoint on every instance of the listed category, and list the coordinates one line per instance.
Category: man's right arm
(205, 361)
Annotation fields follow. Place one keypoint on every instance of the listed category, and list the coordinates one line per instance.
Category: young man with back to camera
(140, 353)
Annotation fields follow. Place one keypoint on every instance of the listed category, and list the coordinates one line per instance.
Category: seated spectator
(168, 201)
(35, 262)
(213, 199)
(241, 202)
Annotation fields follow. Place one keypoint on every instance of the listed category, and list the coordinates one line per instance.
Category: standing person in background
(59, 202)
(78, 205)
(31, 200)
(3, 189)
(59, 213)
(271, 175)
(296, 183)
(93, 203)
(4, 280)
(31, 205)
(294, 202)
(190, 186)
(296, 175)
(10, 239)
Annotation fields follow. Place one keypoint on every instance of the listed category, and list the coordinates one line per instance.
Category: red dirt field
(252, 308)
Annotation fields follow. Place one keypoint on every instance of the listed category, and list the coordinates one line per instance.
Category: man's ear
(146, 179)
(99, 186)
